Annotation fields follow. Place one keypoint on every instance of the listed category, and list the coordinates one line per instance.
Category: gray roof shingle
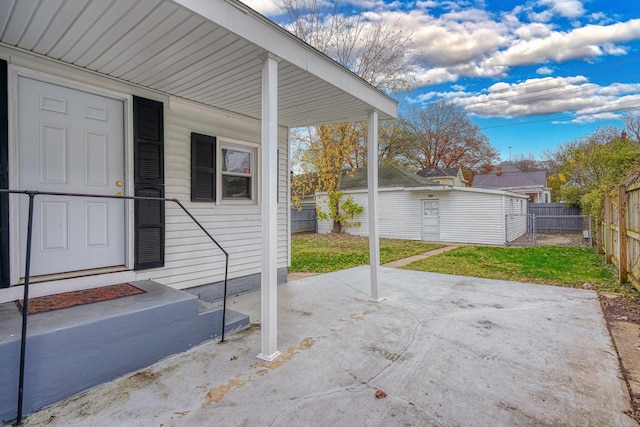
(438, 172)
(388, 176)
(510, 177)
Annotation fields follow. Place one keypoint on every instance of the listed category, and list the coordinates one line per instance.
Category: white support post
(372, 169)
(269, 189)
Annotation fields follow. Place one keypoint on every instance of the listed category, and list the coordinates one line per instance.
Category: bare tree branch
(444, 136)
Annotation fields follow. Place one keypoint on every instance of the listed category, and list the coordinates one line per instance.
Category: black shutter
(4, 176)
(148, 157)
(203, 168)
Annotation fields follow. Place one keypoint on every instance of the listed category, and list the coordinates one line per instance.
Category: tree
(632, 126)
(395, 144)
(321, 162)
(444, 136)
(590, 165)
(373, 49)
(526, 163)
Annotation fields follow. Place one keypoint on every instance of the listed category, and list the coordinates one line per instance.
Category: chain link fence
(549, 230)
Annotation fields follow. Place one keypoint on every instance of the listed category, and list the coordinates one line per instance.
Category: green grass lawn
(552, 265)
(323, 253)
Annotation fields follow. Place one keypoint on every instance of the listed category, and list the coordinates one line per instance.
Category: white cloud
(533, 31)
(366, 4)
(475, 43)
(265, 7)
(455, 41)
(550, 95)
(452, 39)
(582, 43)
(565, 8)
(592, 118)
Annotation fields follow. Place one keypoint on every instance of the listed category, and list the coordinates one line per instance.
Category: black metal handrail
(25, 306)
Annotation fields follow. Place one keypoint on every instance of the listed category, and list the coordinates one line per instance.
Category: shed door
(70, 141)
(430, 220)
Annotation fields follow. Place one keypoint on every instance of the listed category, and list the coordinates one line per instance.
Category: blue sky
(531, 74)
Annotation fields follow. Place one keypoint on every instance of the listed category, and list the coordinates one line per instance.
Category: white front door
(430, 220)
(70, 141)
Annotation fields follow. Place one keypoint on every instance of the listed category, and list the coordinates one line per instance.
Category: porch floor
(444, 350)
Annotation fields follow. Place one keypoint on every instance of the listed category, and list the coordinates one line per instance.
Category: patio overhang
(206, 51)
(218, 53)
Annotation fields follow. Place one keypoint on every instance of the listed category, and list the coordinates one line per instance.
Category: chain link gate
(547, 230)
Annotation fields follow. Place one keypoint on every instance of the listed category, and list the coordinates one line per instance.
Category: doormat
(73, 298)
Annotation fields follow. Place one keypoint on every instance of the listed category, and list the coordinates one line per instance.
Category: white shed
(411, 208)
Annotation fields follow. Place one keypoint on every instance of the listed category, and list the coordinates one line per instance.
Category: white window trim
(234, 144)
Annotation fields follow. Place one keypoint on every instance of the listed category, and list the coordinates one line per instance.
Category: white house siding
(466, 216)
(190, 258)
(469, 217)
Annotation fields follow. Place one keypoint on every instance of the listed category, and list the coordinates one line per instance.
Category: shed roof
(207, 51)
(388, 176)
(437, 171)
(509, 176)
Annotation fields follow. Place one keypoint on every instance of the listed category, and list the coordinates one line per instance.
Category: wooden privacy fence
(619, 236)
(304, 220)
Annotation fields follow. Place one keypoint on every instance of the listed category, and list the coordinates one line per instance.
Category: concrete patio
(445, 350)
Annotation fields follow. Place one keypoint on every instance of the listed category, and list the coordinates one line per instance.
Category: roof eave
(257, 29)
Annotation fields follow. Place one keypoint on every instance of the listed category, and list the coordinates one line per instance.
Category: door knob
(119, 194)
(118, 183)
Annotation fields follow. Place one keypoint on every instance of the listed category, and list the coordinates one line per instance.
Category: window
(237, 172)
(221, 170)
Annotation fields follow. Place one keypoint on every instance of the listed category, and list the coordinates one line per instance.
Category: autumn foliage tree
(588, 166)
(322, 163)
(443, 135)
(373, 49)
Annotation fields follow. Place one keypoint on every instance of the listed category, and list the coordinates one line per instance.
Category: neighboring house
(414, 208)
(509, 178)
(445, 176)
(182, 99)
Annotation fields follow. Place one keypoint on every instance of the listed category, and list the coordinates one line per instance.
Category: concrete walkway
(406, 261)
(440, 350)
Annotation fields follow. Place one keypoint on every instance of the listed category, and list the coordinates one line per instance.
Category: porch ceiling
(207, 51)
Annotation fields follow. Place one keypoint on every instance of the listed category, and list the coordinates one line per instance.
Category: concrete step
(74, 349)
